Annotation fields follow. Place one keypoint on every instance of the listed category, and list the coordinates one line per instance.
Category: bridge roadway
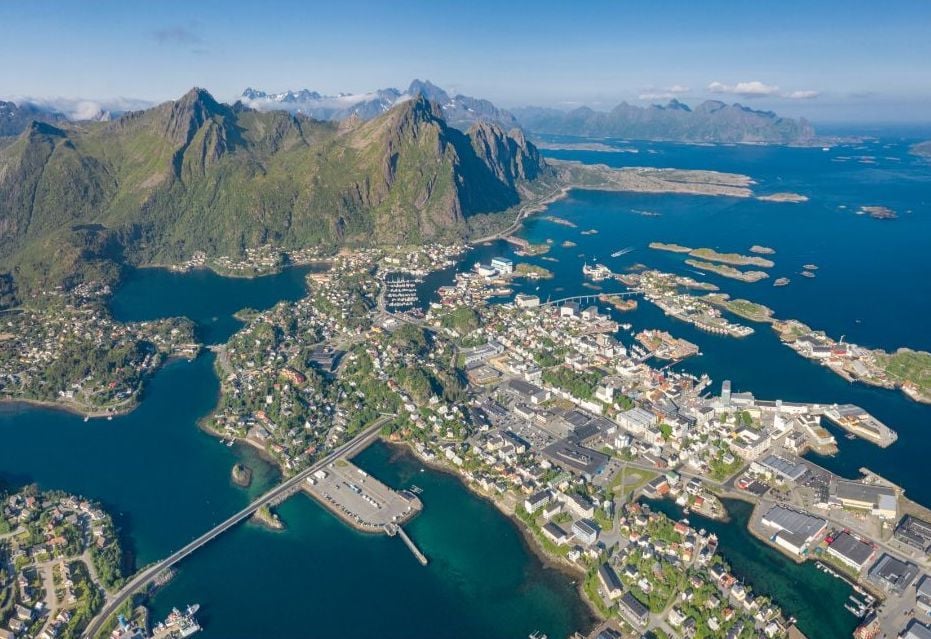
(351, 447)
(589, 296)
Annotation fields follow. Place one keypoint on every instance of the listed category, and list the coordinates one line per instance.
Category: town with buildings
(66, 350)
(541, 408)
(59, 556)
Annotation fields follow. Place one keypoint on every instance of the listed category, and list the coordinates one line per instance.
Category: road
(360, 441)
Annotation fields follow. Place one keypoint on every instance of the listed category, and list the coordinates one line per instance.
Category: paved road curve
(363, 439)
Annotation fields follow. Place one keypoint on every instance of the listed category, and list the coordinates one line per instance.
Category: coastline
(68, 407)
(567, 568)
(629, 179)
(100, 413)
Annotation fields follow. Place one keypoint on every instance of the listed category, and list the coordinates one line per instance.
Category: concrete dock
(360, 499)
(422, 558)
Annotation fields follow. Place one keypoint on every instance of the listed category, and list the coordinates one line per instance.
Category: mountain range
(460, 111)
(711, 121)
(78, 200)
(14, 118)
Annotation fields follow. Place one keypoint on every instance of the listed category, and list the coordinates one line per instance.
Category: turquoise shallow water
(319, 578)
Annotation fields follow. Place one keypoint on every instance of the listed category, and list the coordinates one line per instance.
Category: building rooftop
(893, 573)
(851, 548)
(784, 468)
(793, 521)
(858, 491)
(916, 630)
(578, 458)
(634, 606)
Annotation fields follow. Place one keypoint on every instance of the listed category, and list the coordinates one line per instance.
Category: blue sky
(829, 61)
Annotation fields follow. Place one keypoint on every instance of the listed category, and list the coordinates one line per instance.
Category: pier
(392, 530)
(359, 499)
(857, 421)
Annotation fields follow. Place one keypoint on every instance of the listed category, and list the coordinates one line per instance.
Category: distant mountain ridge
(460, 111)
(78, 200)
(711, 121)
(15, 118)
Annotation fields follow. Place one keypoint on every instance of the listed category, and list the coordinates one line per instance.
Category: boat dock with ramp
(363, 502)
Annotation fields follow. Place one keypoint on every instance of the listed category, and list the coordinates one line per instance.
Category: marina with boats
(177, 625)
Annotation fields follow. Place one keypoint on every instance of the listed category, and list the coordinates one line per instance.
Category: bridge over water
(589, 297)
(272, 497)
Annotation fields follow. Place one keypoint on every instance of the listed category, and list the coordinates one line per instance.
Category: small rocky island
(878, 212)
(728, 271)
(672, 248)
(265, 516)
(241, 475)
(794, 198)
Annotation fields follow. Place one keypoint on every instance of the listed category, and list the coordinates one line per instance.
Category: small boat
(87, 418)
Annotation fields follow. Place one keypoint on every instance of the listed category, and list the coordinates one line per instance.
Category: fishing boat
(623, 251)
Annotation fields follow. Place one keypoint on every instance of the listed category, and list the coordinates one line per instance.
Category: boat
(623, 251)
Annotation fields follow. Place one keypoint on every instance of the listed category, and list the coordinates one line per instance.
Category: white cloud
(662, 93)
(802, 95)
(757, 89)
(752, 89)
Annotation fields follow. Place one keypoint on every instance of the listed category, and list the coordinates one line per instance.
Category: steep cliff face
(195, 174)
(508, 155)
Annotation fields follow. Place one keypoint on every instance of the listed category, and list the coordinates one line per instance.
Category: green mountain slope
(193, 174)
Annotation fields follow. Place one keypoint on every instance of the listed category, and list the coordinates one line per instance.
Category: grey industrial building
(892, 574)
(914, 532)
(850, 550)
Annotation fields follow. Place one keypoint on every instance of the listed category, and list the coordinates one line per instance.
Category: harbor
(400, 292)
(365, 503)
(177, 625)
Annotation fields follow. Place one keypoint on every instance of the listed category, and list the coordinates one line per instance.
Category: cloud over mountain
(752, 89)
(81, 108)
(757, 89)
(663, 93)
